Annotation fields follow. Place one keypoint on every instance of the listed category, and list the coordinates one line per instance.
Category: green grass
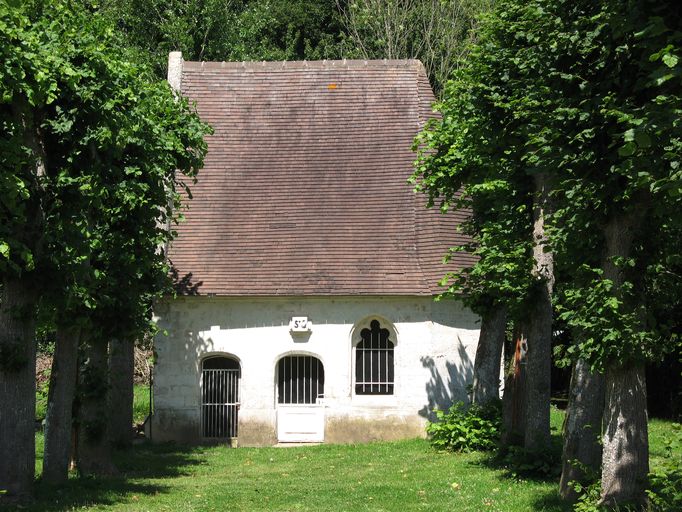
(397, 476)
(140, 403)
(659, 432)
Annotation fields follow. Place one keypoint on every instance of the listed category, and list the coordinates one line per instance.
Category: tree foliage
(92, 149)
(438, 32)
(229, 30)
(589, 95)
(466, 160)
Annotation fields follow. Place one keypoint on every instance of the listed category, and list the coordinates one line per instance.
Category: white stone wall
(434, 355)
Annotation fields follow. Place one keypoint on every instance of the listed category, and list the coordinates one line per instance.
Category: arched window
(300, 380)
(374, 361)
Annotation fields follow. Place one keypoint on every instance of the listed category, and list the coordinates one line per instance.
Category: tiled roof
(304, 188)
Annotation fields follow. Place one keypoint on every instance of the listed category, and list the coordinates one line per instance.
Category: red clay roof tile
(304, 189)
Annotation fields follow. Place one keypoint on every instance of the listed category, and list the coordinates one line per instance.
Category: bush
(42, 390)
(588, 497)
(467, 428)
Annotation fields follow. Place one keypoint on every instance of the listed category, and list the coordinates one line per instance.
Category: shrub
(588, 497)
(467, 428)
(42, 391)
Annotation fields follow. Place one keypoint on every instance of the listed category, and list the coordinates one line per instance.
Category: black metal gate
(220, 397)
(300, 380)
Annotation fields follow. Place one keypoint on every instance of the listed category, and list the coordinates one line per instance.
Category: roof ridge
(413, 64)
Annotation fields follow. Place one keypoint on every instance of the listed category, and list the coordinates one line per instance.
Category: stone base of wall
(175, 425)
(256, 433)
(347, 429)
(184, 429)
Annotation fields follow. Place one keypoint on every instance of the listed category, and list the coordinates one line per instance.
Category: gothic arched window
(374, 361)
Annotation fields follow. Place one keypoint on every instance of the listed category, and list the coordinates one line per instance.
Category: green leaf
(628, 149)
(670, 60)
(642, 138)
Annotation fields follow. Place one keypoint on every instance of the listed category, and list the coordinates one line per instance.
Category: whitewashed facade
(435, 344)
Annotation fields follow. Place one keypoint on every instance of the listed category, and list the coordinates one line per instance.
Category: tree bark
(582, 428)
(18, 299)
(539, 362)
(94, 452)
(513, 402)
(122, 369)
(625, 460)
(17, 388)
(486, 385)
(625, 455)
(59, 418)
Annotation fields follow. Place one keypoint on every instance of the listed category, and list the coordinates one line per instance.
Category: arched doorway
(300, 390)
(220, 397)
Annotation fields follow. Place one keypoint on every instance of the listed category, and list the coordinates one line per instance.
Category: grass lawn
(140, 403)
(397, 476)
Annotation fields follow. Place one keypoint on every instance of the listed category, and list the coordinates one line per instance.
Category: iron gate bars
(219, 402)
(300, 380)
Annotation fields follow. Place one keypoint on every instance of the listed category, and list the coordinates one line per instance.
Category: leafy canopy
(115, 143)
(588, 93)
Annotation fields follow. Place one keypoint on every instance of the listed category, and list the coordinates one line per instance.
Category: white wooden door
(300, 392)
(300, 423)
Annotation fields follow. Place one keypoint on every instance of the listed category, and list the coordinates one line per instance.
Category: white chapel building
(306, 268)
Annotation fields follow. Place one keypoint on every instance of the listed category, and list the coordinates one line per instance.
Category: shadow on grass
(89, 492)
(543, 500)
(551, 502)
(516, 463)
(545, 467)
(158, 461)
(140, 462)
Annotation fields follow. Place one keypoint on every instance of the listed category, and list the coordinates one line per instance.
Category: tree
(230, 30)
(617, 105)
(585, 97)
(581, 455)
(111, 141)
(438, 32)
(470, 149)
(25, 87)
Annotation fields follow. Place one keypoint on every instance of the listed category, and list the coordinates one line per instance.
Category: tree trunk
(122, 369)
(625, 460)
(582, 428)
(539, 364)
(513, 402)
(17, 388)
(625, 455)
(18, 299)
(58, 421)
(94, 452)
(486, 385)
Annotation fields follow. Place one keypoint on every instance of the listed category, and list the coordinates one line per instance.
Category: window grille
(300, 380)
(374, 362)
(219, 397)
